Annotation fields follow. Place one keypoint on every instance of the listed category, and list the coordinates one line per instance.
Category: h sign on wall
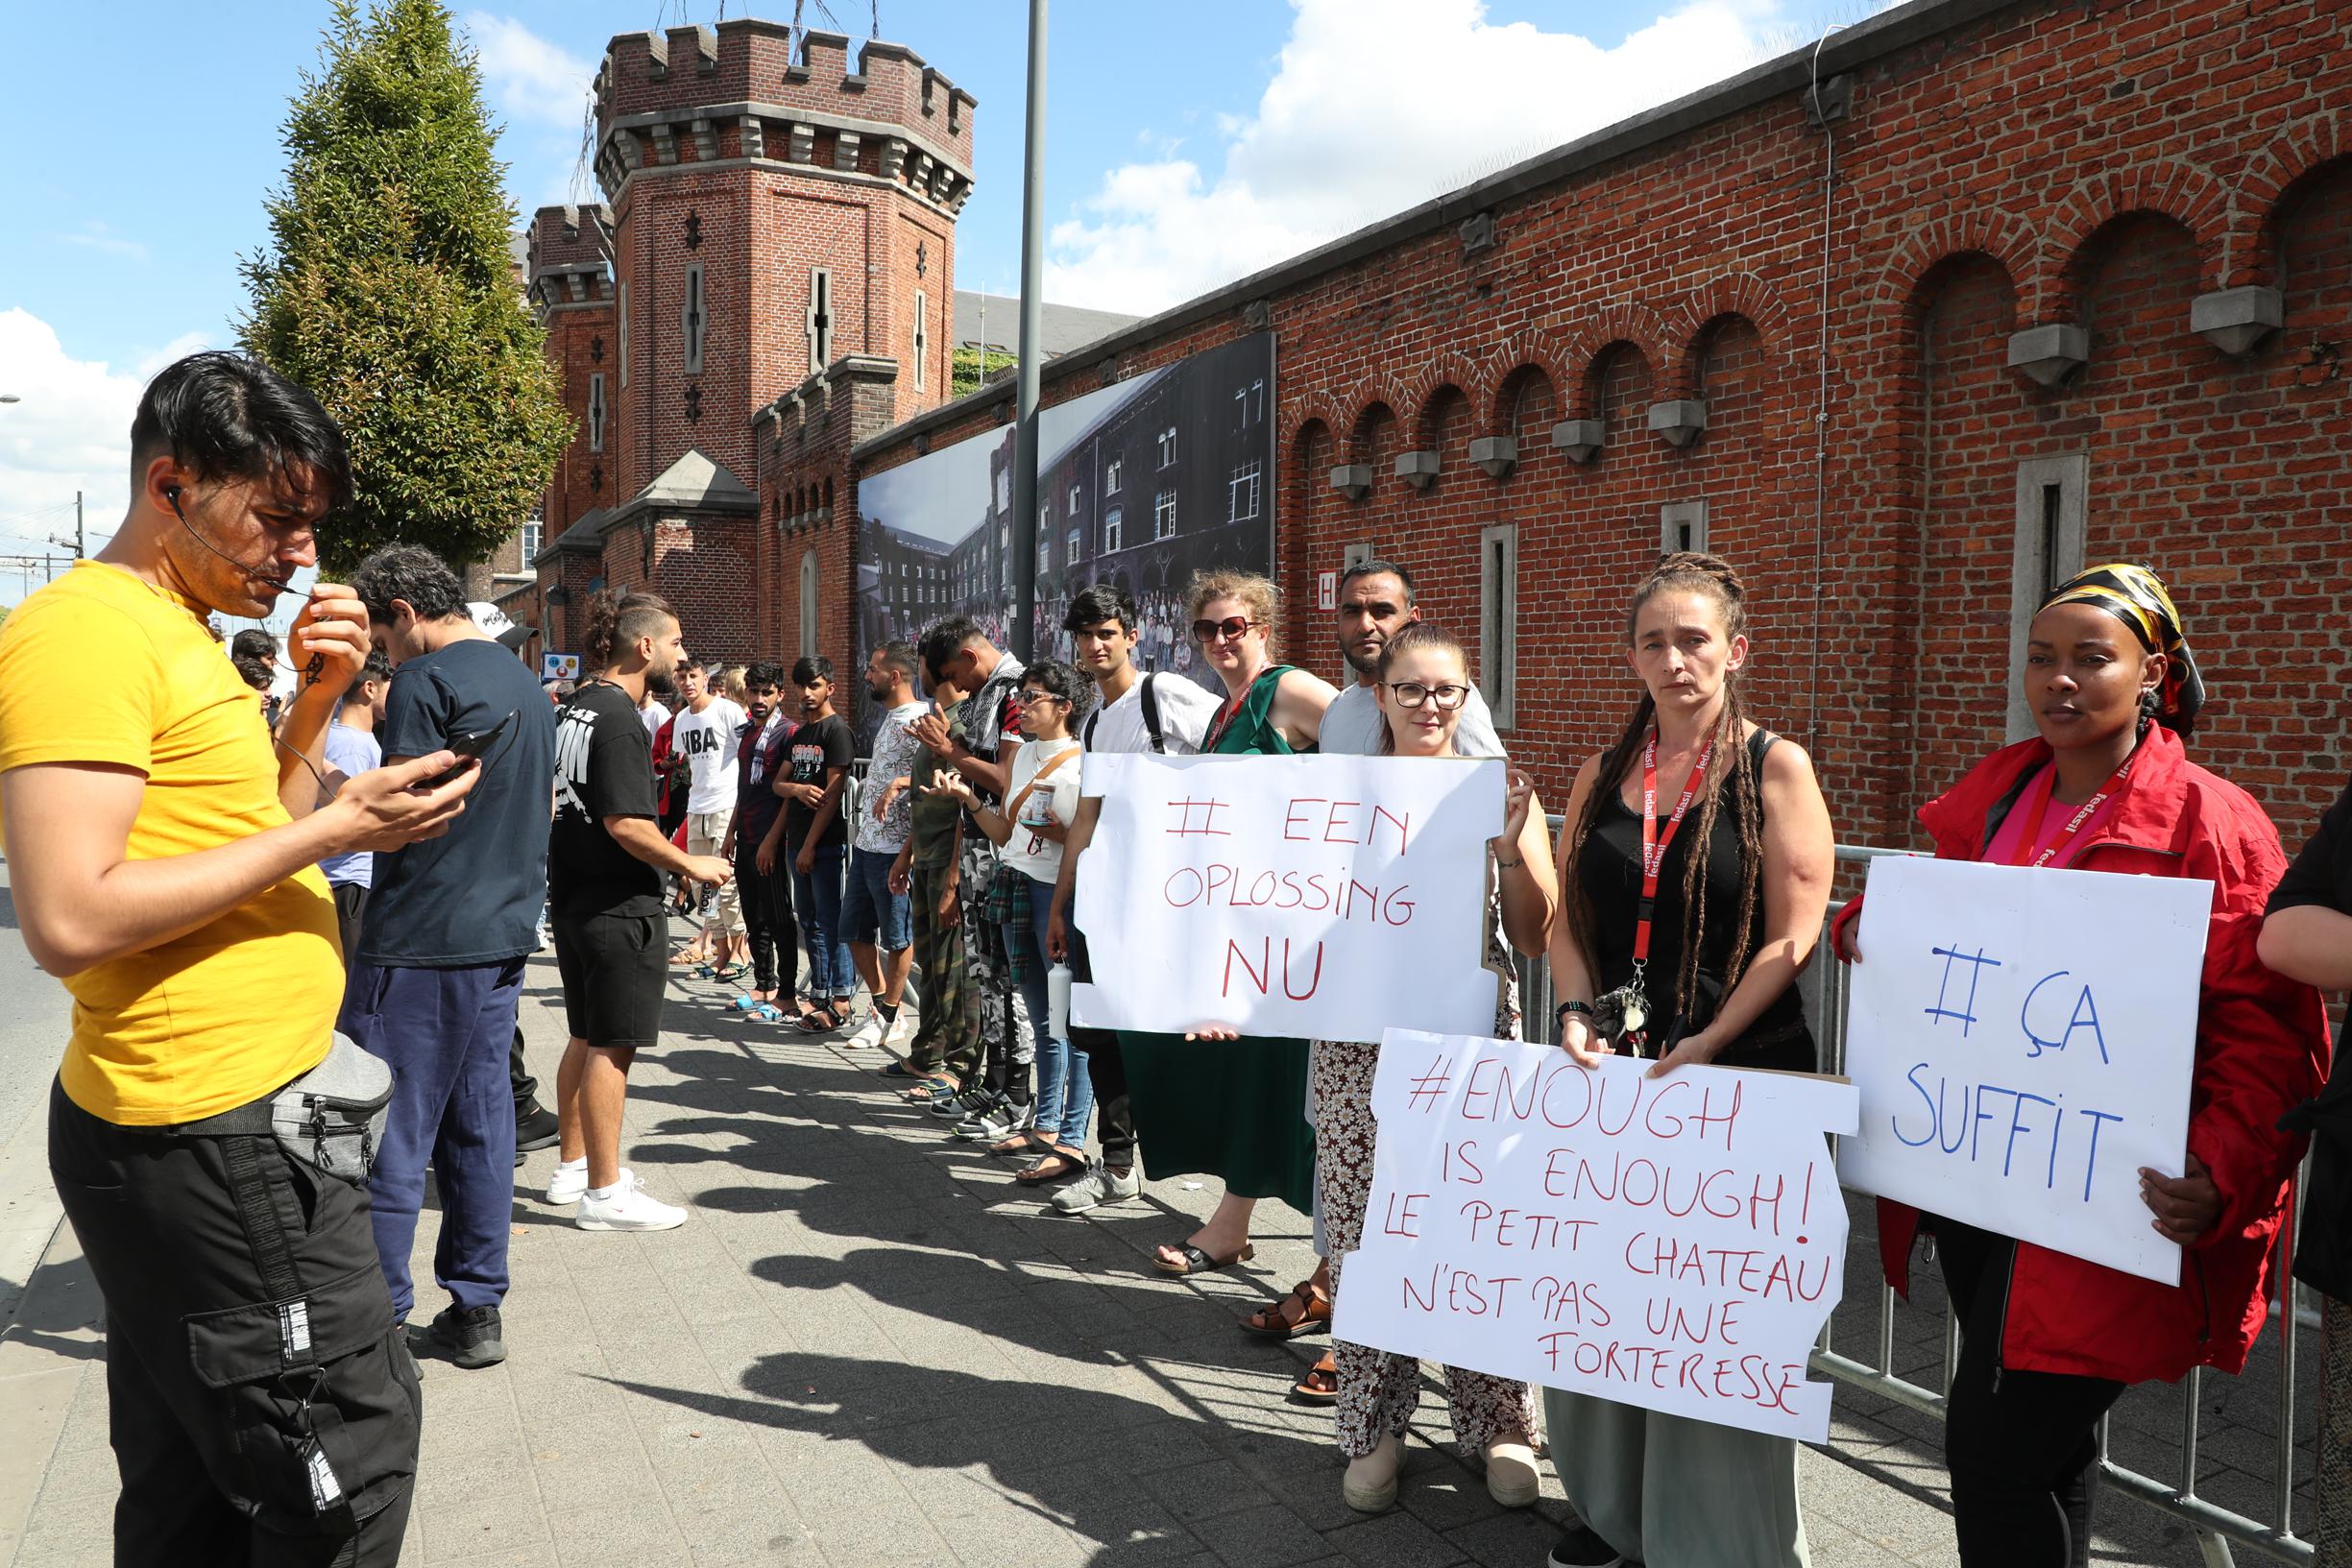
(1327, 590)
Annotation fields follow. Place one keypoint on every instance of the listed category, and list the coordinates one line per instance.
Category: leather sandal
(1278, 1322)
(1198, 1262)
(1322, 1383)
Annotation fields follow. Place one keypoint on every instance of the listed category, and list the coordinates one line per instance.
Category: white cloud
(530, 79)
(94, 235)
(70, 430)
(1374, 107)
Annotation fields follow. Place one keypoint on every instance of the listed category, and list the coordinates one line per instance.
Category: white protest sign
(1326, 896)
(1671, 1242)
(2022, 1042)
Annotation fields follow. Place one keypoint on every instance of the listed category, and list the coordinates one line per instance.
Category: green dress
(1234, 1109)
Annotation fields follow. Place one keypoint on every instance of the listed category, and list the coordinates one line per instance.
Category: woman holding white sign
(1695, 859)
(1213, 1103)
(1424, 681)
(2049, 1341)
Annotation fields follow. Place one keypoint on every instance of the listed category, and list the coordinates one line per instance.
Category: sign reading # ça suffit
(1671, 1242)
(2022, 1041)
(1327, 897)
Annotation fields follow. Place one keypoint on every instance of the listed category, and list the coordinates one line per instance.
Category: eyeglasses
(1233, 628)
(1412, 694)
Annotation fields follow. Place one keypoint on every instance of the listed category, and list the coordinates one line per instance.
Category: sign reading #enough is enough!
(2022, 1041)
(1329, 897)
(1671, 1242)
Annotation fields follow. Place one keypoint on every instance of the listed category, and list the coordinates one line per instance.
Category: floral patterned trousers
(1379, 1391)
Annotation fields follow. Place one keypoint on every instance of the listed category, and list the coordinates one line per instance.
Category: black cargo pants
(274, 1428)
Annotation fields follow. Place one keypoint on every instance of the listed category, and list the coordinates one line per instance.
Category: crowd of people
(257, 923)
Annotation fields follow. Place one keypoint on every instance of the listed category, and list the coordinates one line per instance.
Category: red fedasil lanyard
(1654, 843)
(2036, 805)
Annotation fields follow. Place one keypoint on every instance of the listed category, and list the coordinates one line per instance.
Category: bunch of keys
(1622, 1018)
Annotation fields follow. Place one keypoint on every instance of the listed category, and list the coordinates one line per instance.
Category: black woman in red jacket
(2049, 1341)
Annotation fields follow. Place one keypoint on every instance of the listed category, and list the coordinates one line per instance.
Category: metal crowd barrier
(2217, 1530)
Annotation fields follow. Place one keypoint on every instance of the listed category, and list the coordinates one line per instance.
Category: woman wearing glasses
(1213, 1103)
(1423, 679)
(1694, 863)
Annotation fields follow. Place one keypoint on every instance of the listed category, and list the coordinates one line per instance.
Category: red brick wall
(2098, 164)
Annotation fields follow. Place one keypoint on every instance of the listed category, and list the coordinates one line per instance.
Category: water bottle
(1057, 1001)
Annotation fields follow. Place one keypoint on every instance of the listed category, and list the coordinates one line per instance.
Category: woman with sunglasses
(1695, 859)
(2048, 1343)
(1423, 679)
(1213, 1103)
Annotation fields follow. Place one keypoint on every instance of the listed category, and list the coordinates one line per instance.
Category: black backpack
(1151, 719)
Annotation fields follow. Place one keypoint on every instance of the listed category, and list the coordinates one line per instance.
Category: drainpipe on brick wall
(1821, 406)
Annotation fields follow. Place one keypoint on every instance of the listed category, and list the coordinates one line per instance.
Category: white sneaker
(628, 1207)
(901, 1029)
(570, 1182)
(867, 1033)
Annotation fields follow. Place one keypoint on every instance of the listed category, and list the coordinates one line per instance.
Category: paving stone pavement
(868, 1347)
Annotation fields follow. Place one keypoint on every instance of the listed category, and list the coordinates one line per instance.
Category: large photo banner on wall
(1140, 484)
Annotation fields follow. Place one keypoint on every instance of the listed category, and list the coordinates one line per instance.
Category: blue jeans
(1065, 1090)
(816, 894)
(445, 1033)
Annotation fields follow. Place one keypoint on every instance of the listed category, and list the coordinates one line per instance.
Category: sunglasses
(1233, 628)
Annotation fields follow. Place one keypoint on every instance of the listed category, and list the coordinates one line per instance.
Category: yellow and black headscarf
(2133, 595)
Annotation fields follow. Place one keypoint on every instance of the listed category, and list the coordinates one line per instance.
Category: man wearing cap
(438, 967)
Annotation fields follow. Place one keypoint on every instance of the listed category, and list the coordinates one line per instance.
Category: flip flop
(1065, 1165)
(1198, 1262)
(767, 1012)
(732, 972)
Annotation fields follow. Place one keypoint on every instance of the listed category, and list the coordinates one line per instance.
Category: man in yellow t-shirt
(163, 851)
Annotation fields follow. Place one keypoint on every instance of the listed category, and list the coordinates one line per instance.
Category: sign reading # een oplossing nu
(2022, 1041)
(1329, 896)
(1671, 1242)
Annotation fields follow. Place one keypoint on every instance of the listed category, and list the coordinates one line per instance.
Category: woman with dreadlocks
(1695, 859)
(2048, 1343)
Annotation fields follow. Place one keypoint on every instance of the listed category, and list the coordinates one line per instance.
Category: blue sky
(1187, 145)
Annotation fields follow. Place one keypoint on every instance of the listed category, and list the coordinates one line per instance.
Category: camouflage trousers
(1009, 1049)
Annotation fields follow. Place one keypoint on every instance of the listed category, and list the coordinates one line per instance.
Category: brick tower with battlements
(779, 239)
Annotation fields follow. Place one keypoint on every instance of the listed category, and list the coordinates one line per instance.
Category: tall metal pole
(1032, 313)
(80, 541)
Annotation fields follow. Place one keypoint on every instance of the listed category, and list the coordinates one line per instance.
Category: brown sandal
(1322, 1383)
(1278, 1322)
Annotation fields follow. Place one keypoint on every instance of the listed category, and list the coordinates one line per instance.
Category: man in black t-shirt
(437, 967)
(821, 750)
(605, 859)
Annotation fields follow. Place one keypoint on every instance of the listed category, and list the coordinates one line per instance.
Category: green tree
(387, 289)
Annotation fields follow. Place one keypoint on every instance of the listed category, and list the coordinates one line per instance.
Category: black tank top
(1609, 872)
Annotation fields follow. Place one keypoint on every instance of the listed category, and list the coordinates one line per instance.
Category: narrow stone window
(820, 319)
(624, 335)
(694, 316)
(1498, 619)
(595, 413)
(1681, 525)
(922, 339)
(2051, 503)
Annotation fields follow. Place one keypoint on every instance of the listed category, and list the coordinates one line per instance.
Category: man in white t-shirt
(1375, 604)
(703, 733)
(878, 923)
(1134, 712)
